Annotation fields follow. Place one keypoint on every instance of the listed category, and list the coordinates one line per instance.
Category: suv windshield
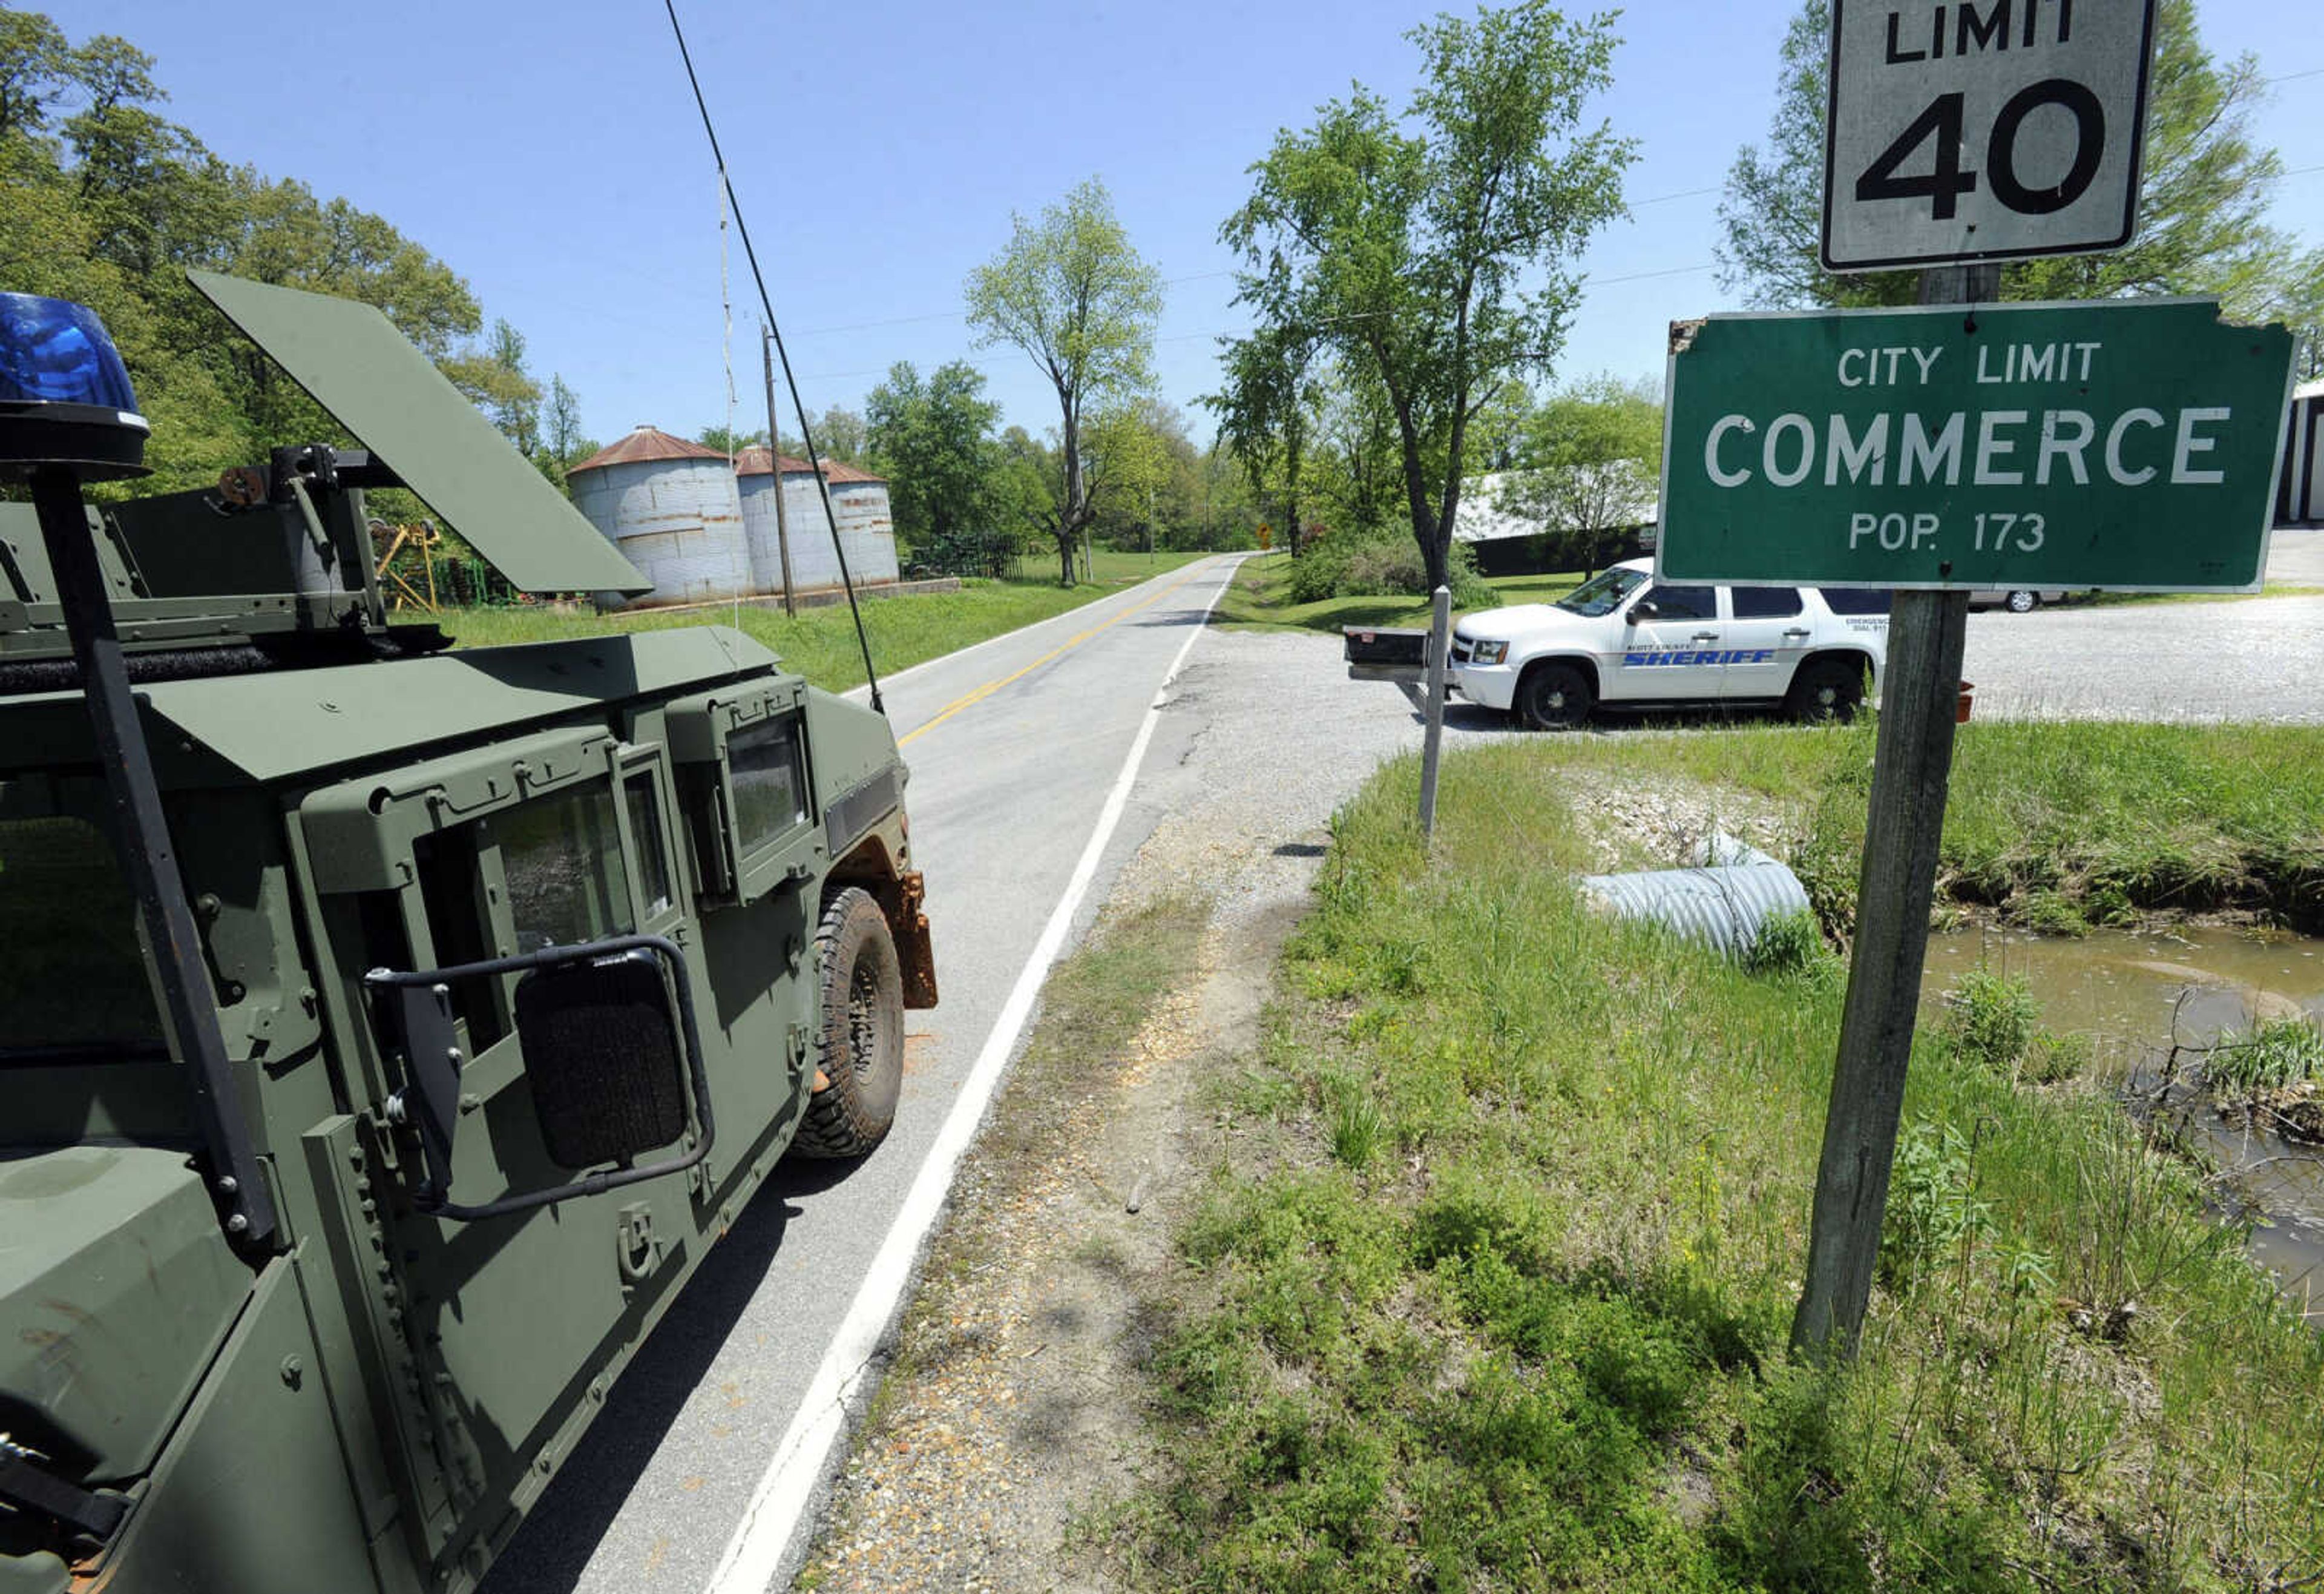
(1603, 593)
(74, 976)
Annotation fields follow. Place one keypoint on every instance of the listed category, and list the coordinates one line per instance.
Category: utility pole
(775, 463)
(1912, 769)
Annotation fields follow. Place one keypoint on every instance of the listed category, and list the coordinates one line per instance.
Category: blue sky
(550, 153)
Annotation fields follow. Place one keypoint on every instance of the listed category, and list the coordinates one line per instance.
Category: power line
(954, 315)
(1200, 276)
(1684, 193)
(1640, 276)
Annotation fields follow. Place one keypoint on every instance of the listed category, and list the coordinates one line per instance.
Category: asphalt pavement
(1017, 748)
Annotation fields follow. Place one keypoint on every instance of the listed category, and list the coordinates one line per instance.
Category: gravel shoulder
(1009, 1410)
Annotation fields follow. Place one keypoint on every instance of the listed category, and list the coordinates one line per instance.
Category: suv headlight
(1487, 653)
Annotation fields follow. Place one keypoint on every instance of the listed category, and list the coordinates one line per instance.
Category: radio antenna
(807, 433)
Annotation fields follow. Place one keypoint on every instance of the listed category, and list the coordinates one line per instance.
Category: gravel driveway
(2295, 556)
(2255, 658)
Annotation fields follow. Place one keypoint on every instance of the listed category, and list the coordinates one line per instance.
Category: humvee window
(770, 782)
(562, 858)
(645, 829)
(457, 925)
(73, 975)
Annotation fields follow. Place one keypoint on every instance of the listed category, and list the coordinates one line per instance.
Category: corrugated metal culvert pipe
(1723, 902)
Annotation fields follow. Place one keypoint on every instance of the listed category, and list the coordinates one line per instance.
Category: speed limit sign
(1972, 130)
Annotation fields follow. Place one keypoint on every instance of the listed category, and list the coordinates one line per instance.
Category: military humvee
(497, 983)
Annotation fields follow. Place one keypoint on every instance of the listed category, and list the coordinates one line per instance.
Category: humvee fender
(511, 955)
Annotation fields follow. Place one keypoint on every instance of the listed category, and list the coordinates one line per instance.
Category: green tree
(104, 201)
(726, 439)
(495, 381)
(1359, 469)
(1435, 250)
(1590, 458)
(1267, 413)
(931, 440)
(1070, 291)
(36, 71)
(563, 444)
(845, 434)
(2202, 202)
(1025, 484)
(1125, 461)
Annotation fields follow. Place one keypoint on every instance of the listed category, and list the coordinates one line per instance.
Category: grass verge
(1006, 1222)
(1491, 1290)
(906, 629)
(2060, 826)
(1259, 600)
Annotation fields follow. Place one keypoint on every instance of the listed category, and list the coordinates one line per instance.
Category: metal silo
(673, 509)
(858, 503)
(755, 470)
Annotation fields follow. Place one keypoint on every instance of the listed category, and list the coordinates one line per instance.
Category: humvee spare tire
(858, 1047)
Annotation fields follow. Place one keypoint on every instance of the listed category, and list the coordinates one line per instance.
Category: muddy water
(2140, 995)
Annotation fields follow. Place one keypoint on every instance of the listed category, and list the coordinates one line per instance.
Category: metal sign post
(1440, 643)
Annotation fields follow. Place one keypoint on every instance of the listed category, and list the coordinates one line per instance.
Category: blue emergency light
(64, 398)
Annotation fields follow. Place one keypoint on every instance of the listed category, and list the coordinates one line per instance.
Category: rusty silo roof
(646, 444)
(757, 461)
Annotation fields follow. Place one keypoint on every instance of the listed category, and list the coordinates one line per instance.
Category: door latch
(635, 1247)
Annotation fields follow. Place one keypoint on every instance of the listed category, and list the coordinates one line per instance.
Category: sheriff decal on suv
(1625, 640)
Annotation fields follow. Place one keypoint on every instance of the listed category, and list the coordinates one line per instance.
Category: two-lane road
(706, 1459)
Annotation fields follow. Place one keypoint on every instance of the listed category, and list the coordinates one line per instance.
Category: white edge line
(864, 693)
(762, 1543)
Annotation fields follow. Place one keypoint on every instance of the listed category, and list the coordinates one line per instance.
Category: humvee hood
(352, 361)
(116, 1288)
(296, 722)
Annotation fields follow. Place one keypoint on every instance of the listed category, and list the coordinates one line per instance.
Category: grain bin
(672, 508)
(859, 503)
(759, 473)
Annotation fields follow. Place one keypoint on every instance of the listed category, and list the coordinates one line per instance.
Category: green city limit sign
(2131, 446)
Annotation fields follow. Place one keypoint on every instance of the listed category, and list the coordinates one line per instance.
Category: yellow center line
(970, 700)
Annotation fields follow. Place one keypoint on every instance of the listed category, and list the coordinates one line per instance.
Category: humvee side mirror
(608, 1060)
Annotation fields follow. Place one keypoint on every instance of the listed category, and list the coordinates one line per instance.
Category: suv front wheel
(1827, 689)
(1554, 697)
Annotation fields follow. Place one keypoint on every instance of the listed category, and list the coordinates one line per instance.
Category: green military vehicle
(386, 1033)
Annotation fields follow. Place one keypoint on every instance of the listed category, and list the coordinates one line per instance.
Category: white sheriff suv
(1625, 640)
